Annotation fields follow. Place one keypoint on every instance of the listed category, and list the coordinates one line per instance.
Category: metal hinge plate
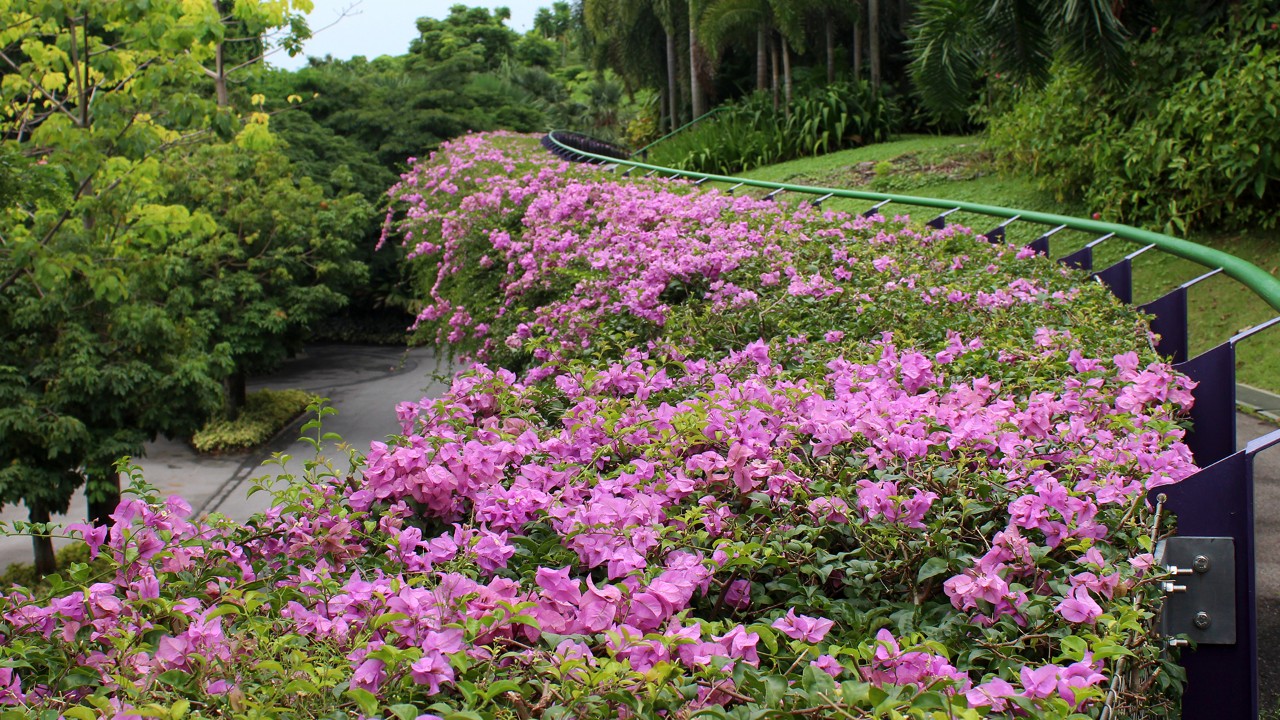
(1200, 600)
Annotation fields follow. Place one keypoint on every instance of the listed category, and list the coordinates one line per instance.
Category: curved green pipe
(1262, 283)
(692, 122)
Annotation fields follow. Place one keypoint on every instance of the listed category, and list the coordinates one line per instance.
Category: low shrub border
(756, 462)
(265, 414)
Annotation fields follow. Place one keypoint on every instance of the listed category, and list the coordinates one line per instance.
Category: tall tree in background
(239, 39)
(774, 23)
(628, 36)
(697, 96)
(952, 41)
(556, 23)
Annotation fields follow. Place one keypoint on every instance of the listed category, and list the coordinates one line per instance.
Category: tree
(953, 41)
(629, 38)
(101, 350)
(273, 256)
(476, 32)
(767, 19)
(239, 36)
(556, 23)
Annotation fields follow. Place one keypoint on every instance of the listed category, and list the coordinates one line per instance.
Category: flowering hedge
(758, 461)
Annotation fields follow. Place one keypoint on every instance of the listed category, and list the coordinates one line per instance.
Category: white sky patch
(385, 27)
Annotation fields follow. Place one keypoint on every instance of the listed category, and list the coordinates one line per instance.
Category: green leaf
(386, 618)
(300, 687)
(932, 567)
(500, 687)
(404, 711)
(365, 700)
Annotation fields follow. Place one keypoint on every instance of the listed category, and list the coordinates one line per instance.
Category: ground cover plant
(726, 458)
(266, 414)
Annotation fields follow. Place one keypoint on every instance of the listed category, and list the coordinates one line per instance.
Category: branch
(8, 61)
(88, 182)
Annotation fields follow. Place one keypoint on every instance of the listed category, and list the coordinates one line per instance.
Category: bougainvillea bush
(718, 457)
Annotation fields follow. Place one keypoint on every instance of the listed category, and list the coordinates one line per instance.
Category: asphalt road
(363, 383)
(1266, 526)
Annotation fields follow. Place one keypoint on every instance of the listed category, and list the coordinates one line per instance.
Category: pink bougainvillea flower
(803, 627)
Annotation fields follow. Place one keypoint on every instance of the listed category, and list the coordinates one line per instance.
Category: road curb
(1258, 401)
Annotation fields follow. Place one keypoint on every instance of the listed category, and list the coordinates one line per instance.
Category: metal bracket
(1200, 595)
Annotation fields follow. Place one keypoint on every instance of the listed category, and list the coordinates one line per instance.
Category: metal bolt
(1170, 588)
(1178, 642)
(1200, 564)
(1202, 620)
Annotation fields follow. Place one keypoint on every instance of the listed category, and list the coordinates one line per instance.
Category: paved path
(364, 383)
(1266, 525)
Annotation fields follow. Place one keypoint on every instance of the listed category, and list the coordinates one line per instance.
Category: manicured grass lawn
(956, 168)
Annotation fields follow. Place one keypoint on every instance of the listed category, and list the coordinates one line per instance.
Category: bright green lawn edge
(1219, 307)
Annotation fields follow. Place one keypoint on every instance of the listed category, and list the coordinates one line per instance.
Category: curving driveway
(364, 384)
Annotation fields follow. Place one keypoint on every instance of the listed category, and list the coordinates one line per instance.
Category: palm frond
(946, 46)
(720, 20)
(1091, 35)
(1019, 39)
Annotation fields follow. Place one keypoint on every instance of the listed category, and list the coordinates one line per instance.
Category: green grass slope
(958, 168)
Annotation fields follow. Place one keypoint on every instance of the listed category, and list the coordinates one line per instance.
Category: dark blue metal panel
(1040, 245)
(1213, 416)
(995, 235)
(1222, 680)
(1119, 278)
(1081, 259)
(1170, 323)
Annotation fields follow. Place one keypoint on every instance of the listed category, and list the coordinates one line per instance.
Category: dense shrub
(265, 414)
(1195, 140)
(750, 133)
(763, 462)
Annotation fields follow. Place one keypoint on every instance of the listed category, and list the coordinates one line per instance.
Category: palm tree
(952, 41)
(669, 12)
(626, 33)
(777, 24)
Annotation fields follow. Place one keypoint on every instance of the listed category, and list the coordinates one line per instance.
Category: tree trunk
(673, 84)
(695, 87)
(857, 44)
(762, 59)
(831, 50)
(786, 74)
(102, 490)
(235, 393)
(46, 563)
(220, 77)
(873, 32)
(773, 52)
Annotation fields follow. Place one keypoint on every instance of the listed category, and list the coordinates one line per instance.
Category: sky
(385, 27)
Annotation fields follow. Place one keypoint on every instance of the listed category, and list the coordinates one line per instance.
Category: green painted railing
(1259, 281)
(641, 152)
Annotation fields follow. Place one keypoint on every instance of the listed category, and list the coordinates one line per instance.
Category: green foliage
(25, 575)
(466, 35)
(103, 346)
(1196, 142)
(750, 134)
(955, 42)
(266, 413)
(275, 255)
